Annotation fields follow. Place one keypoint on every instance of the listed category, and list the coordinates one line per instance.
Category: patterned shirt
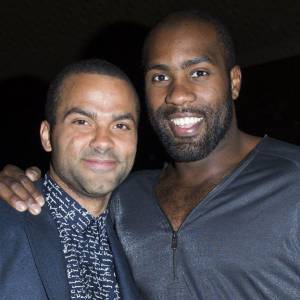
(89, 260)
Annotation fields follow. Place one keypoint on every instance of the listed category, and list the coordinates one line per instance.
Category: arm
(18, 190)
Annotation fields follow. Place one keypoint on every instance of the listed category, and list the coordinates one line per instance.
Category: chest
(230, 244)
(178, 201)
(221, 239)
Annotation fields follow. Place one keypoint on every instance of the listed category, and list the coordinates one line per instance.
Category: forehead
(182, 40)
(97, 92)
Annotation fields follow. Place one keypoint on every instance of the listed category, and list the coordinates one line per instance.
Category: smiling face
(189, 90)
(93, 141)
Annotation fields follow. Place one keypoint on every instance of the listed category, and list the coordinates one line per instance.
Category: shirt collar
(66, 210)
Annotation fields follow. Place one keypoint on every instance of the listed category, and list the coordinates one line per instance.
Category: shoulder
(11, 219)
(8, 215)
(144, 178)
(135, 191)
(12, 224)
(280, 152)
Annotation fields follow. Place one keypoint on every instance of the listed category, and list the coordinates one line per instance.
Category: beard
(188, 149)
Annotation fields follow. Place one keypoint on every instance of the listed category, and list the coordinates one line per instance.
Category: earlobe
(236, 80)
(45, 136)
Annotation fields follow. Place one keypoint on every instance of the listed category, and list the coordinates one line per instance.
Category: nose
(101, 140)
(180, 93)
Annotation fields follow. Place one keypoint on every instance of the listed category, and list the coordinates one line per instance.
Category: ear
(45, 136)
(236, 81)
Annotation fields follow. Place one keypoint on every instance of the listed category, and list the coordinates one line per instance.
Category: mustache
(169, 110)
(101, 154)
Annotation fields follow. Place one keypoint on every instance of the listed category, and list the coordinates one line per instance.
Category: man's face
(189, 91)
(93, 142)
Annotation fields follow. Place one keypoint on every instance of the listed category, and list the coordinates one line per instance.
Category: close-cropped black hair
(223, 34)
(89, 66)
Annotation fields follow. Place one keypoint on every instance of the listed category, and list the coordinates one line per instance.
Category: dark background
(38, 38)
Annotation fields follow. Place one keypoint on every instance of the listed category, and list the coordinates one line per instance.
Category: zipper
(174, 240)
(174, 247)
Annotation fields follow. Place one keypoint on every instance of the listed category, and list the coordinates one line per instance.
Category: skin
(93, 142)
(186, 69)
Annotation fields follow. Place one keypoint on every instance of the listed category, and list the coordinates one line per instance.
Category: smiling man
(221, 220)
(70, 251)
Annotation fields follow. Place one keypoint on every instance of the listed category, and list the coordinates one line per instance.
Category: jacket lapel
(127, 285)
(47, 253)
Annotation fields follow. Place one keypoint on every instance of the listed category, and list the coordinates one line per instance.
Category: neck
(234, 147)
(95, 206)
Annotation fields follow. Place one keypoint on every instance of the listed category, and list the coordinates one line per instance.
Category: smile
(186, 121)
(100, 165)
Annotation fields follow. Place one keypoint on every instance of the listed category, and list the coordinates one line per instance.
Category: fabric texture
(242, 241)
(89, 260)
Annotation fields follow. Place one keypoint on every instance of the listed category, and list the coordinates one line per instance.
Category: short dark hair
(89, 66)
(222, 31)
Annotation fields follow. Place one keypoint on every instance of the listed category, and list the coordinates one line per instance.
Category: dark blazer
(32, 265)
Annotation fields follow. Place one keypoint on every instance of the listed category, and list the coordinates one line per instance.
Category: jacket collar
(47, 253)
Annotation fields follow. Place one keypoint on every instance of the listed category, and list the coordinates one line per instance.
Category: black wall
(268, 103)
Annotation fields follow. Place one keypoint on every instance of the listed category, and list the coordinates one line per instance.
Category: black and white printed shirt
(89, 260)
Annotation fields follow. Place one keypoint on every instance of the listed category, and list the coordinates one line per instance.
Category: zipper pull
(174, 246)
(174, 240)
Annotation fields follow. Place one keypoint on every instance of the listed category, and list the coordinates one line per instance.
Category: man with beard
(221, 220)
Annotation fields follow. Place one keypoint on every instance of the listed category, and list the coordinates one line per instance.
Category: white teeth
(186, 121)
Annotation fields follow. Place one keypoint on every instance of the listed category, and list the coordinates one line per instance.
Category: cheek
(216, 93)
(126, 148)
(71, 145)
(213, 95)
(155, 97)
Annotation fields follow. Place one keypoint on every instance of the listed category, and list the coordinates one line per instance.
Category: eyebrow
(125, 116)
(195, 61)
(91, 115)
(77, 110)
(184, 65)
(157, 67)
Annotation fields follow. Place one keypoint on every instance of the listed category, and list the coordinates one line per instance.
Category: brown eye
(80, 122)
(199, 73)
(160, 77)
(122, 126)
